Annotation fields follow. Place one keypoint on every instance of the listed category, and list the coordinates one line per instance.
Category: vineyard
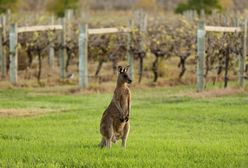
(160, 47)
(184, 93)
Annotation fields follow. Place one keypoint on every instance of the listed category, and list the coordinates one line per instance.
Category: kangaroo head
(123, 76)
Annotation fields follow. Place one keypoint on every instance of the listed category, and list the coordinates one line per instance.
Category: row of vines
(167, 37)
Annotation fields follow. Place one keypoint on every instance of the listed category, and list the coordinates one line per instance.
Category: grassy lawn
(167, 130)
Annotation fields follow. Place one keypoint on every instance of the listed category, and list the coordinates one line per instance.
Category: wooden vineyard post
(83, 56)
(13, 53)
(200, 55)
(242, 57)
(2, 64)
(143, 28)
(129, 52)
(69, 17)
(8, 17)
(195, 15)
(51, 50)
(62, 49)
(141, 23)
(3, 56)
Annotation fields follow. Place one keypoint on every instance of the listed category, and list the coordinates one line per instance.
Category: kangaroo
(115, 119)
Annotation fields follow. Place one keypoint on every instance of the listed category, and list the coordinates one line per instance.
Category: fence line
(83, 43)
(39, 28)
(201, 32)
(222, 29)
(108, 30)
(82, 47)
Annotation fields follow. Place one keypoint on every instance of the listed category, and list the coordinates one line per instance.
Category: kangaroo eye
(125, 76)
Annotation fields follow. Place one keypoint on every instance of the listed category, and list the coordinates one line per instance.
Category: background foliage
(7, 4)
(59, 6)
(207, 5)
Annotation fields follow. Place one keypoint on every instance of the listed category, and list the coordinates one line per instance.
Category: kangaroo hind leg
(102, 143)
(125, 135)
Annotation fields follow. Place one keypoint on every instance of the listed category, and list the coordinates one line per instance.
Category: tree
(59, 6)
(198, 5)
(7, 4)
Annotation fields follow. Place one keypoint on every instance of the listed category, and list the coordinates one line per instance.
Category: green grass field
(167, 130)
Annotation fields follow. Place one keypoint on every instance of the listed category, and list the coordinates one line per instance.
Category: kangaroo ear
(120, 69)
(126, 68)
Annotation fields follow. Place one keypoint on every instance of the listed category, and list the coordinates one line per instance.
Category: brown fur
(115, 119)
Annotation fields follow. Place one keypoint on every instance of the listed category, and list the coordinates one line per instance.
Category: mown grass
(167, 130)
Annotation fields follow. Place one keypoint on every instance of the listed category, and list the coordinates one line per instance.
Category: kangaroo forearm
(119, 108)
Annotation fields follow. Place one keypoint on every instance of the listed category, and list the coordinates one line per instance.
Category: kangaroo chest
(123, 96)
(124, 99)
